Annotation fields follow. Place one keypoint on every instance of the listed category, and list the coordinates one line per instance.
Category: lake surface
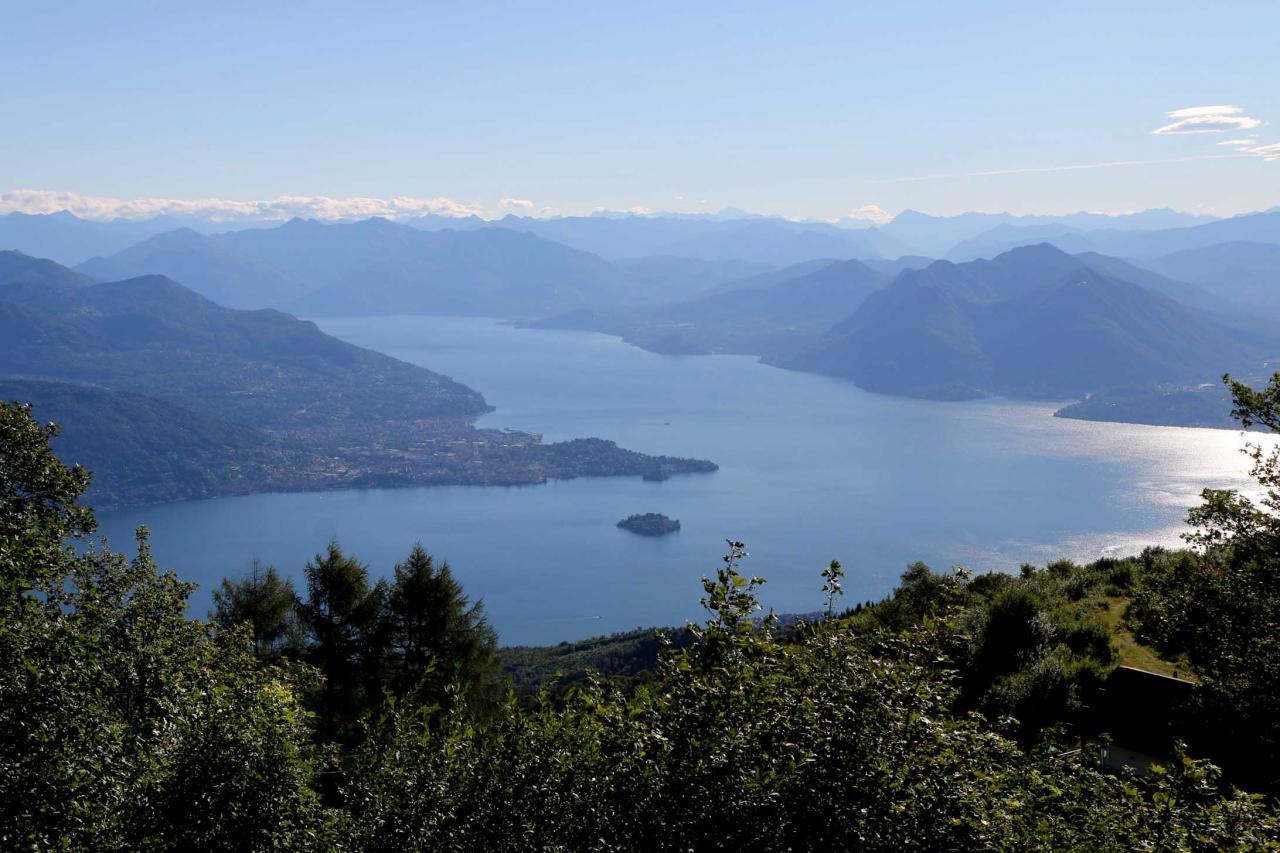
(811, 469)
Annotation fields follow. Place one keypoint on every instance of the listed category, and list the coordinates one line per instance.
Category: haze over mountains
(760, 315)
(1030, 306)
(1033, 322)
(940, 235)
(307, 410)
(1261, 227)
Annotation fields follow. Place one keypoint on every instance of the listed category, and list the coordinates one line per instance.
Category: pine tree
(267, 602)
(343, 618)
(438, 637)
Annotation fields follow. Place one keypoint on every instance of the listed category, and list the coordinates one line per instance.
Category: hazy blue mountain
(68, 239)
(436, 222)
(897, 265)
(935, 235)
(1155, 218)
(779, 242)
(1013, 273)
(205, 265)
(1002, 238)
(1034, 322)
(151, 335)
(336, 415)
(1249, 228)
(663, 278)
(612, 237)
(939, 235)
(754, 320)
(376, 267)
(1239, 272)
(772, 277)
(490, 271)
(17, 268)
(1181, 291)
(760, 239)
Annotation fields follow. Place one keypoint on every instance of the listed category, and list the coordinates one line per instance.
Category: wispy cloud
(1215, 119)
(515, 204)
(1074, 167)
(1219, 119)
(1266, 152)
(227, 210)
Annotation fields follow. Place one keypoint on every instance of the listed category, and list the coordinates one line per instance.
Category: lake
(811, 469)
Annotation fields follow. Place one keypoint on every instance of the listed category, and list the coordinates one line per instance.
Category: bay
(811, 469)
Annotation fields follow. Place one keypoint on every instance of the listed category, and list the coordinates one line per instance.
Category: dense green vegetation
(625, 656)
(365, 715)
(144, 449)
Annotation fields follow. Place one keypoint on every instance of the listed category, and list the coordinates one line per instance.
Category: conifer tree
(267, 603)
(438, 637)
(342, 617)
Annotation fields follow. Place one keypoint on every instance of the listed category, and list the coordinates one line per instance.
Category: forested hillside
(141, 448)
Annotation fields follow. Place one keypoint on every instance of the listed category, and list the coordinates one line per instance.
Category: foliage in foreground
(129, 726)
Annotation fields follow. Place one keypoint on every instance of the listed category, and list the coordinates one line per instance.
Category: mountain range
(68, 239)
(313, 411)
(152, 335)
(1170, 297)
(1261, 227)
(940, 236)
(1033, 322)
(768, 240)
(764, 314)
(374, 266)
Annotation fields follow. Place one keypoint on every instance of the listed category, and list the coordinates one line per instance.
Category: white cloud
(1215, 119)
(1218, 119)
(1195, 112)
(637, 210)
(871, 213)
(515, 204)
(1266, 152)
(226, 210)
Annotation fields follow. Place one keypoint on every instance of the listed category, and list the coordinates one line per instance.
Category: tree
(827, 740)
(267, 603)
(38, 501)
(343, 618)
(128, 726)
(437, 637)
(1221, 605)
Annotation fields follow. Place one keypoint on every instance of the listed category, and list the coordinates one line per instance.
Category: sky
(808, 110)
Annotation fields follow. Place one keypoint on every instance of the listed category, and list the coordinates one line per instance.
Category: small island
(650, 524)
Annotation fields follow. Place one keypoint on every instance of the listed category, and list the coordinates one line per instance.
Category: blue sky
(802, 109)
